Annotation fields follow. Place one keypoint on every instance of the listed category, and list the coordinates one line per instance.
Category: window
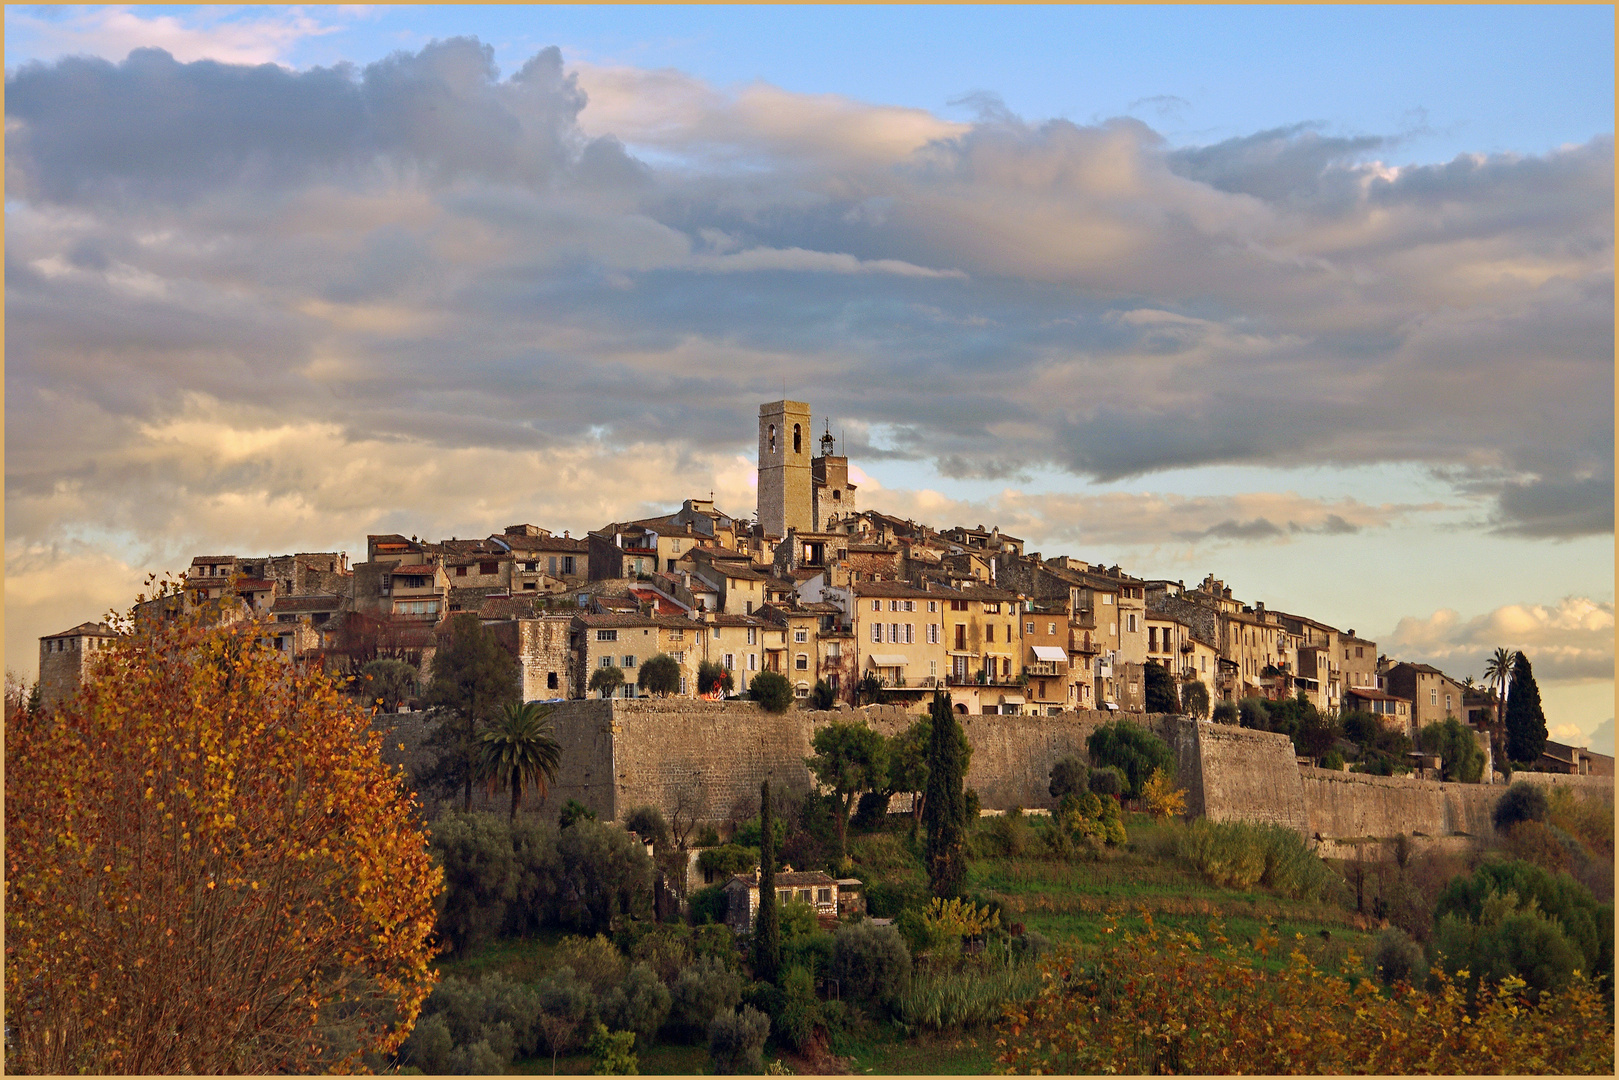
(933, 633)
(823, 896)
(801, 662)
(747, 609)
(933, 606)
(629, 662)
(550, 680)
(1113, 628)
(989, 633)
(798, 440)
(487, 568)
(460, 571)
(607, 661)
(910, 633)
(567, 564)
(532, 586)
(674, 544)
(910, 605)
(893, 605)
(772, 438)
(1107, 598)
(551, 565)
(1028, 628)
(800, 635)
(992, 609)
(958, 605)
(893, 633)
(716, 631)
(1203, 663)
(753, 635)
(876, 633)
(728, 662)
(530, 567)
(1132, 622)
(607, 635)
(1433, 697)
(1447, 703)
(677, 634)
(876, 605)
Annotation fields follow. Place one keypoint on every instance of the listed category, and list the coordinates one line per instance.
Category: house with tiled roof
(64, 658)
(627, 640)
(820, 891)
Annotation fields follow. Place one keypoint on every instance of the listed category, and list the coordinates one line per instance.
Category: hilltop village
(818, 590)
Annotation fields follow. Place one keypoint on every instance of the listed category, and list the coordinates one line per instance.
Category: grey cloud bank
(245, 287)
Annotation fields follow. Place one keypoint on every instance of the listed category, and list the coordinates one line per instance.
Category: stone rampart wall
(1249, 775)
(1345, 805)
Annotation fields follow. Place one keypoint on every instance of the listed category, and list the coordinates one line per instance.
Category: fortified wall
(704, 760)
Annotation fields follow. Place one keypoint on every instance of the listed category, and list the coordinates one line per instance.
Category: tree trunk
(517, 796)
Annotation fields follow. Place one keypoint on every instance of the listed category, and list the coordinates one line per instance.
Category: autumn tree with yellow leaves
(209, 868)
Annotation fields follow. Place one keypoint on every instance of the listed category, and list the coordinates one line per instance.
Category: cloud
(1601, 740)
(232, 37)
(429, 260)
(1570, 640)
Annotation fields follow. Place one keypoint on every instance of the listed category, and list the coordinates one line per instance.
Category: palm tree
(1498, 672)
(517, 749)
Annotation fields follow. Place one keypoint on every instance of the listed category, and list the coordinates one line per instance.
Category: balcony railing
(923, 682)
(1042, 668)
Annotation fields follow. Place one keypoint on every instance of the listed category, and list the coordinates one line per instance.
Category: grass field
(1068, 901)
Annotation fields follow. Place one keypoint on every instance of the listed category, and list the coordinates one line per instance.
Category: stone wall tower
(785, 499)
(834, 495)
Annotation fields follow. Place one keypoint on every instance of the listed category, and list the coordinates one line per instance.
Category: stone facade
(786, 500)
(64, 657)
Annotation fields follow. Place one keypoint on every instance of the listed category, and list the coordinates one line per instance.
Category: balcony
(1083, 619)
(1045, 669)
(924, 682)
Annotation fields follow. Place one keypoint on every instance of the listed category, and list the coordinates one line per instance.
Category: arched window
(798, 440)
(772, 438)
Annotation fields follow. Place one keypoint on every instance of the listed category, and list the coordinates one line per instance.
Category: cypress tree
(767, 926)
(944, 810)
(1526, 722)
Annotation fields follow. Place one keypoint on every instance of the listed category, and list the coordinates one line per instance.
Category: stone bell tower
(785, 499)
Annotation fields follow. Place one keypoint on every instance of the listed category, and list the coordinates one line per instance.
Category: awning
(1050, 652)
(1110, 706)
(954, 652)
(1011, 699)
(886, 659)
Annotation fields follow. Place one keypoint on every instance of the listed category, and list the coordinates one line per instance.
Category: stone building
(64, 657)
(786, 496)
(820, 891)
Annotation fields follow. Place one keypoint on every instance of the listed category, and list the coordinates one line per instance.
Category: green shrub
(708, 905)
(1240, 855)
(712, 676)
(1510, 937)
(822, 696)
(500, 877)
(660, 674)
(572, 811)
(1133, 750)
(1397, 959)
(729, 859)
(640, 1004)
(953, 999)
(603, 872)
(595, 961)
(567, 1010)
(700, 991)
(1522, 801)
(772, 691)
(1587, 925)
(648, 823)
(870, 962)
(716, 942)
(736, 1042)
(1068, 774)
(870, 811)
(886, 899)
(1460, 756)
(1332, 760)
(1005, 836)
(1106, 781)
(666, 949)
(1090, 817)
(1226, 712)
(613, 1053)
(800, 1012)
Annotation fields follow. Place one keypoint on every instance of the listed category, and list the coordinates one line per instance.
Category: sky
(1318, 300)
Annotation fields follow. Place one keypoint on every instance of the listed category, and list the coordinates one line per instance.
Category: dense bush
(1240, 855)
(660, 674)
(595, 961)
(648, 823)
(1195, 698)
(567, 1011)
(971, 996)
(666, 949)
(640, 1004)
(470, 1026)
(708, 905)
(886, 899)
(870, 962)
(704, 988)
(736, 1042)
(772, 691)
(1165, 1001)
(1522, 801)
(1396, 959)
(1252, 712)
(1133, 750)
(1460, 756)
(795, 1022)
(1106, 781)
(603, 872)
(1068, 774)
(1226, 712)
(1006, 836)
(729, 859)
(1586, 924)
(1090, 818)
(500, 876)
(822, 696)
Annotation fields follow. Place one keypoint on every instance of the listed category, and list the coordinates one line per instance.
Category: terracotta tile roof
(794, 879)
(671, 622)
(896, 589)
(307, 602)
(85, 629)
(252, 584)
(210, 559)
(416, 569)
